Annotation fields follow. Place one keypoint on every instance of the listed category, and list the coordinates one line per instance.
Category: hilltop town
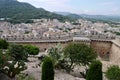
(46, 28)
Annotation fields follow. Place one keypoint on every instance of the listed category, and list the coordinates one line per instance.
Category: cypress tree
(47, 69)
(95, 71)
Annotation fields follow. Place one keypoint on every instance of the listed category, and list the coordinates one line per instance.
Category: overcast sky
(102, 7)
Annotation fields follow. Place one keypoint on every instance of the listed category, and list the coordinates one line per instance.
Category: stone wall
(115, 52)
(105, 48)
(102, 48)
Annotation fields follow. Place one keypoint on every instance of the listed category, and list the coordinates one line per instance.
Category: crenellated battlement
(59, 39)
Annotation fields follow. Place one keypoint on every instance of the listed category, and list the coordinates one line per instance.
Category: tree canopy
(18, 52)
(80, 54)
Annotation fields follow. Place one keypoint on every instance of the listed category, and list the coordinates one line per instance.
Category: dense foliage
(80, 54)
(18, 52)
(3, 44)
(32, 50)
(113, 73)
(47, 69)
(95, 71)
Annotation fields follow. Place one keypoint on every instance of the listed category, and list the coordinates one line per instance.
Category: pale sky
(99, 7)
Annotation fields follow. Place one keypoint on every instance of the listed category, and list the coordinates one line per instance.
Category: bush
(113, 73)
(47, 69)
(95, 71)
(32, 50)
(57, 55)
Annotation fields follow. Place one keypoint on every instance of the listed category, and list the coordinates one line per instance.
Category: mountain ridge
(20, 11)
(93, 18)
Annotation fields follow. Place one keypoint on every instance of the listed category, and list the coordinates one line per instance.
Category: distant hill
(75, 16)
(101, 17)
(19, 11)
(63, 13)
(94, 18)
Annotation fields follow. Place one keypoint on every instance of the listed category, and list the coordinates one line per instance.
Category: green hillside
(22, 12)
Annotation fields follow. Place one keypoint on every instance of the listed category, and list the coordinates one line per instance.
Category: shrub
(47, 69)
(32, 50)
(113, 73)
(95, 71)
(57, 55)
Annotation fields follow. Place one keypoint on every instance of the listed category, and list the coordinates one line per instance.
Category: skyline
(92, 7)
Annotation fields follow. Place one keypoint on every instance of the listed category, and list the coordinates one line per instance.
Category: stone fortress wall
(102, 48)
(105, 47)
(115, 50)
